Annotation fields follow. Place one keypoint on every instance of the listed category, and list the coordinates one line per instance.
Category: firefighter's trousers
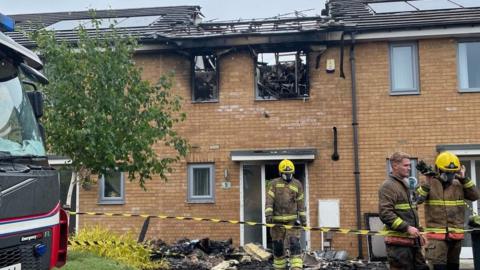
(283, 239)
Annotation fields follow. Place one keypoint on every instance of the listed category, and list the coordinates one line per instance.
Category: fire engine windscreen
(19, 134)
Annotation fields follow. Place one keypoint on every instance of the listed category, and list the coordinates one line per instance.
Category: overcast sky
(212, 9)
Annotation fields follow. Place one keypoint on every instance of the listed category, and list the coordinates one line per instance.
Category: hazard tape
(98, 243)
(269, 225)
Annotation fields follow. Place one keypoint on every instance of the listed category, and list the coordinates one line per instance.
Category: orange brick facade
(412, 123)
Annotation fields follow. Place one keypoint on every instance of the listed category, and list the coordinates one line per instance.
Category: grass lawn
(77, 260)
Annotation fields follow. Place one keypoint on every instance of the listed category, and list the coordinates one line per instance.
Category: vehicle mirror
(33, 74)
(36, 99)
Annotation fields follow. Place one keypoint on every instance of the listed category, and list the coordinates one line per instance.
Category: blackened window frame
(194, 85)
(299, 53)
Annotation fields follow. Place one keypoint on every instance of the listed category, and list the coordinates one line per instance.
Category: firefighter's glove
(461, 175)
(425, 169)
(269, 219)
(303, 222)
(474, 221)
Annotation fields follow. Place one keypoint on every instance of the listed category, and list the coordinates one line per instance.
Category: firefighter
(285, 206)
(443, 196)
(398, 211)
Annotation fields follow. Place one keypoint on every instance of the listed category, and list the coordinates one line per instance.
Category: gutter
(356, 171)
(419, 33)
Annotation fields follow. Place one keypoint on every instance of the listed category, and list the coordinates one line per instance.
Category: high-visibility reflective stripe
(271, 194)
(300, 197)
(443, 230)
(294, 188)
(280, 185)
(285, 218)
(422, 192)
(402, 206)
(469, 184)
(302, 213)
(435, 230)
(296, 262)
(397, 223)
(445, 203)
(456, 236)
(269, 209)
(436, 236)
(279, 263)
(456, 230)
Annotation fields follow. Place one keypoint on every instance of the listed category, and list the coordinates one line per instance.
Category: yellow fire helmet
(447, 162)
(286, 166)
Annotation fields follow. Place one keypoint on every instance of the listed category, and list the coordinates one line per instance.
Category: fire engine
(33, 226)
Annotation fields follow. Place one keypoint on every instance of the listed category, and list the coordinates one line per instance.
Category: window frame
(193, 76)
(204, 198)
(415, 69)
(307, 83)
(459, 67)
(111, 200)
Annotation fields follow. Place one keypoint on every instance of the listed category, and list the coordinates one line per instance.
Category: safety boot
(280, 263)
(440, 267)
(296, 263)
(453, 266)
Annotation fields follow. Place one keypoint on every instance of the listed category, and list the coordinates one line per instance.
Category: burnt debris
(206, 254)
(282, 75)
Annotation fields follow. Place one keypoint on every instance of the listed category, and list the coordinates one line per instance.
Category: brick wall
(414, 124)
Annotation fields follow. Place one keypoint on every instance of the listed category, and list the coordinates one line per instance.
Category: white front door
(472, 165)
(254, 177)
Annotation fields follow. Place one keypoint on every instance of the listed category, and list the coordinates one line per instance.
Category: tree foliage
(101, 113)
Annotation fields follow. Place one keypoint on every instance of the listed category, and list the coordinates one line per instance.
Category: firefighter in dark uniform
(398, 211)
(285, 205)
(443, 195)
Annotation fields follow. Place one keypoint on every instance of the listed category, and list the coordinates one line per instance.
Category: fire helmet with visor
(286, 169)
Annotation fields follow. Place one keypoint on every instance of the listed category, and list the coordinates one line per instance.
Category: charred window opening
(205, 79)
(281, 75)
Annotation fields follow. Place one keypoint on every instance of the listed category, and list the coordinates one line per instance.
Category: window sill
(201, 202)
(282, 99)
(205, 101)
(112, 202)
(404, 93)
(470, 90)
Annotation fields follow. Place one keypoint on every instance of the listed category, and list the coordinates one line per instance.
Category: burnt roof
(358, 13)
(172, 19)
(179, 24)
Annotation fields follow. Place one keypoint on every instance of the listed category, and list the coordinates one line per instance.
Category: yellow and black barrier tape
(97, 243)
(270, 225)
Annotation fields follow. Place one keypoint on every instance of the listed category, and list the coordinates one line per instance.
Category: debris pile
(337, 260)
(206, 254)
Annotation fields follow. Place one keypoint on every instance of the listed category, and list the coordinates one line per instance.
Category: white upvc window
(201, 183)
(112, 188)
(469, 66)
(404, 78)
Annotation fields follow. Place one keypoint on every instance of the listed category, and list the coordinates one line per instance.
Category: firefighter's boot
(280, 263)
(296, 263)
(453, 266)
(440, 267)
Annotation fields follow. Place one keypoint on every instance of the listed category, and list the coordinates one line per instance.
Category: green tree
(101, 113)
